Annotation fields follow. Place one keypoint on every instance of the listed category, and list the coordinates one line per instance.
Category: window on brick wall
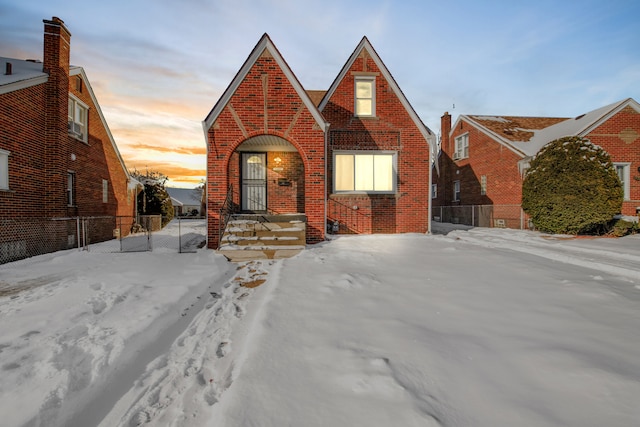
(461, 147)
(624, 173)
(105, 191)
(77, 118)
(456, 191)
(4, 170)
(371, 172)
(483, 185)
(434, 191)
(71, 188)
(365, 99)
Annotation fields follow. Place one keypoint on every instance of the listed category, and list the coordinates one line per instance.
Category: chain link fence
(22, 238)
(492, 216)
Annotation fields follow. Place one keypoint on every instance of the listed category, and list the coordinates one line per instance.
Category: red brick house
(483, 158)
(352, 159)
(58, 158)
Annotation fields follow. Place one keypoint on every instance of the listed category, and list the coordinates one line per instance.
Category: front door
(254, 182)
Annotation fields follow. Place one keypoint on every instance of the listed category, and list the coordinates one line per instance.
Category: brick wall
(391, 129)
(265, 102)
(620, 137)
(488, 158)
(33, 127)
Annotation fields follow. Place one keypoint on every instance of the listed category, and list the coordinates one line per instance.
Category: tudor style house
(353, 159)
(484, 158)
(58, 158)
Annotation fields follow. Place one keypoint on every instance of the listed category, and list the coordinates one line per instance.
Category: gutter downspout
(326, 186)
(430, 190)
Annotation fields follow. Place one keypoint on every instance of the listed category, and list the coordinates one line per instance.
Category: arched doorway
(269, 175)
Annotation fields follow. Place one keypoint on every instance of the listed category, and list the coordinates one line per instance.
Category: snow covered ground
(477, 327)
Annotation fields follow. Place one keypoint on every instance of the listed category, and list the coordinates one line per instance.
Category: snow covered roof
(185, 196)
(527, 135)
(24, 74)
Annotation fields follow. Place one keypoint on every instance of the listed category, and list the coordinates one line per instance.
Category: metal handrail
(226, 211)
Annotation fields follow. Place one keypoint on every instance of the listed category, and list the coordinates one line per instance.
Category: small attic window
(365, 96)
(79, 84)
(579, 117)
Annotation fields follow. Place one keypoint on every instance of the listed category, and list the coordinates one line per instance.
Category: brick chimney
(56, 56)
(445, 129)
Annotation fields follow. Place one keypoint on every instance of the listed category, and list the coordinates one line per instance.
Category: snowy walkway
(482, 327)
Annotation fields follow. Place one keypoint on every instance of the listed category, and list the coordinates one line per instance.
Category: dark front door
(254, 182)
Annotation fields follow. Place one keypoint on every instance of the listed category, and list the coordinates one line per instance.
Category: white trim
(456, 194)
(265, 43)
(372, 81)
(426, 133)
(394, 160)
(4, 163)
(626, 184)
(499, 139)
(456, 155)
(23, 84)
(74, 71)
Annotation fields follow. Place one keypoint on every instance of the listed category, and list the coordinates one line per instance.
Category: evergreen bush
(571, 188)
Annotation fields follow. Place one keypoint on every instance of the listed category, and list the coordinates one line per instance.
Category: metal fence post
(179, 236)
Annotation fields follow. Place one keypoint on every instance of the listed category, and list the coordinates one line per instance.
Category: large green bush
(571, 188)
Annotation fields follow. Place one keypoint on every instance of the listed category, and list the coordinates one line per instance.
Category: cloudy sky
(159, 66)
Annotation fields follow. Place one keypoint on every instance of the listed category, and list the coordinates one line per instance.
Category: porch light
(277, 160)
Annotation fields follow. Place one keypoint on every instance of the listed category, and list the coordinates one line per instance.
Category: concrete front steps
(252, 236)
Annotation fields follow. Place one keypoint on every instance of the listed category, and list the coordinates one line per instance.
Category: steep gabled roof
(364, 44)
(79, 71)
(579, 126)
(509, 130)
(264, 43)
(527, 135)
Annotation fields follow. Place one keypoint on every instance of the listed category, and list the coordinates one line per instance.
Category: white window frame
(105, 191)
(4, 169)
(483, 185)
(434, 191)
(71, 188)
(372, 81)
(78, 118)
(394, 171)
(461, 147)
(456, 191)
(623, 170)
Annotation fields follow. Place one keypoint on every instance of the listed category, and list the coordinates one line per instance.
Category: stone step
(249, 237)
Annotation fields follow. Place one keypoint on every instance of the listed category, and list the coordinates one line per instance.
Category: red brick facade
(266, 99)
(33, 128)
(496, 161)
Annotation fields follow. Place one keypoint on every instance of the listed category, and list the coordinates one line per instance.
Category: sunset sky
(159, 66)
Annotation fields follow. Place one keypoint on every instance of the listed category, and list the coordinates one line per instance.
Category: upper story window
(77, 118)
(365, 99)
(4, 169)
(623, 170)
(371, 172)
(461, 147)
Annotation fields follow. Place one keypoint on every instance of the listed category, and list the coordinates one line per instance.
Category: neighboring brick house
(353, 159)
(58, 158)
(483, 158)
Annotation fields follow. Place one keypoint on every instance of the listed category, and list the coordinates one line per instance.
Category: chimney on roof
(445, 129)
(8, 69)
